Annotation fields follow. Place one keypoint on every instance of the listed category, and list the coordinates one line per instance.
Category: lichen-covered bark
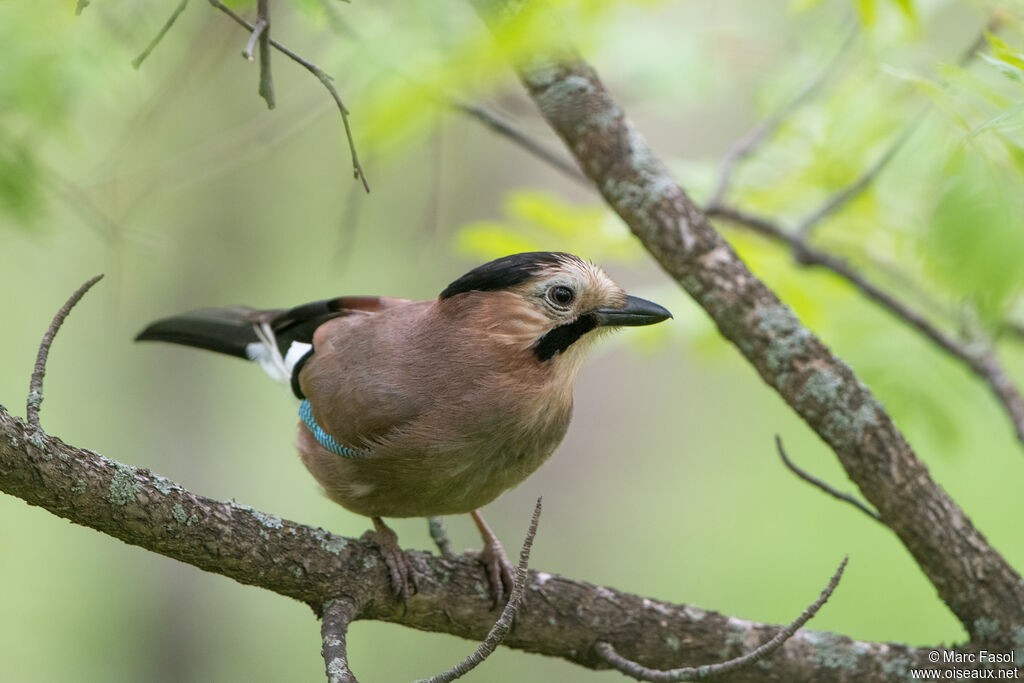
(973, 579)
(560, 617)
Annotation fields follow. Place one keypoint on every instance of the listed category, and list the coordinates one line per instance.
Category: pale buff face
(589, 286)
(553, 297)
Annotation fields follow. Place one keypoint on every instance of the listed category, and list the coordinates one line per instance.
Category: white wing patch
(268, 355)
(295, 353)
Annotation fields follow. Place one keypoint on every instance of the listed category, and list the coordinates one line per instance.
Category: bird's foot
(500, 572)
(403, 579)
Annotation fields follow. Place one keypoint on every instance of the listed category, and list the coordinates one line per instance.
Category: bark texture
(560, 617)
(972, 578)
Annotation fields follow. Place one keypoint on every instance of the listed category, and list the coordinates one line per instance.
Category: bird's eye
(561, 296)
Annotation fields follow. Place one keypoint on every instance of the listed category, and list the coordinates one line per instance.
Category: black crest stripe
(505, 272)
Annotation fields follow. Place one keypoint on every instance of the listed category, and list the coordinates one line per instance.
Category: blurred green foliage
(178, 183)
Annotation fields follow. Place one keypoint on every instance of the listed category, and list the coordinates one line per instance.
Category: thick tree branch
(338, 614)
(790, 358)
(343, 580)
(561, 618)
(982, 361)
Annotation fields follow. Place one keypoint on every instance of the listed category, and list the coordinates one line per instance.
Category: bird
(423, 408)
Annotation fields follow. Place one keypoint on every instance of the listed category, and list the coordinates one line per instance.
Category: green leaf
(1003, 51)
(907, 7)
(1008, 69)
(540, 221)
(975, 238)
(19, 184)
(867, 10)
(1008, 120)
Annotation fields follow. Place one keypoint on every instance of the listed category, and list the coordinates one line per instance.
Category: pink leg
(496, 562)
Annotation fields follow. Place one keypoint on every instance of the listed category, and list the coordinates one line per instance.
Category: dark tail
(224, 330)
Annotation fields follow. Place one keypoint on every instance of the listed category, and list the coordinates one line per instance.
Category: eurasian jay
(425, 408)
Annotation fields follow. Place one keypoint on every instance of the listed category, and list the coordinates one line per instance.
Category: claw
(403, 579)
(500, 573)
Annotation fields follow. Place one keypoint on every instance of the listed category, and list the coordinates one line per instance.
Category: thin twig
(338, 614)
(845, 195)
(266, 81)
(814, 481)
(35, 387)
(321, 75)
(747, 144)
(983, 363)
(250, 45)
(137, 62)
(508, 615)
(689, 673)
(337, 24)
(440, 536)
(507, 130)
(81, 5)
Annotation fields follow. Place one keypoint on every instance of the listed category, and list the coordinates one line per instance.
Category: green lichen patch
(179, 514)
(124, 487)
(330, 542)
(985, 628)
(834, 651)
(897, 666)
(79, 486)
(266, 519)
(694, 613)
(788, 339)
(672, 643)
(823, 389)
(163, 484)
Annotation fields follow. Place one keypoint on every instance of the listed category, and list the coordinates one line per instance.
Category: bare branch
(266, 81)
(520, 138)
(814, 481)
(982, 362)
(822, 389)
(508, 615)
(642, 673)
(35, 389)
(338, 614)
(854, 189)
(137, 62)
(321, 75)
(250, 45)
(313, 566)
(747, 144)
(440, 536)
(80, 6)
(495, 123)
(845, 195)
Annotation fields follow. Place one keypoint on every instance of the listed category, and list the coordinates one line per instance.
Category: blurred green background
(179, 184)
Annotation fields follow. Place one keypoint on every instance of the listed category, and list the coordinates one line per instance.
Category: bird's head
(549, 301)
